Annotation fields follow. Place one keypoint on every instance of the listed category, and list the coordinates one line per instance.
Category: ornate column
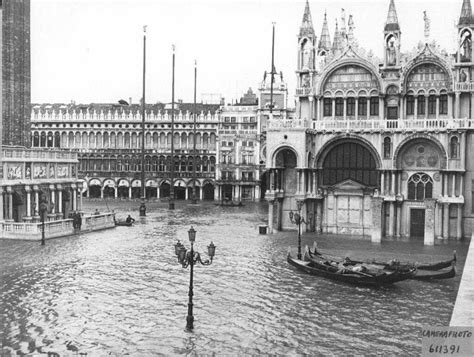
(52, 189)
(60, 199)
(391, 219)
(453, 186)
(1, 205)
(79, 188)
(186, 194)
(415, 110)
(356, 108)
(398, 227)
(319, 217)
(382, 183)
(381, 107)
(129, 192)
(376, 236)
(429, 221)
(28, 202)
(445, 177)
(427, 98)
(116, 191)
(74, 196)
(36, 190)
(393, 192)
(459, 222)
(270, 217)
(437, 107)
(102, 192)
(333, 108)
(279, 214)
(457, 105)
(450, 106)
(345, 108)
(10, 203)
(446, 221)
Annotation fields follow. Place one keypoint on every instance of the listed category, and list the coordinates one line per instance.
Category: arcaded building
(379, 147)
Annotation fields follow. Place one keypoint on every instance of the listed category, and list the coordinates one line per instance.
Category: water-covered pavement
(122, 291)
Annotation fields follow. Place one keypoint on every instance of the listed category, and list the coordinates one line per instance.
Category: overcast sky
(90, 51)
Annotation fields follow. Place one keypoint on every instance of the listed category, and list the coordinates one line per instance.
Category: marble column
(427, 99)
(52, 188)
(270, 217)
(116, 192)
(457, 105)
(345, 109)
(459, 222)
(1, 205)
(429, 221)
(74, 197)
(450, 106)
(391, 219)
(10, 203)
(60, 199)
(437, 107)
(415, 110)
(333, 108)
(376, 236)
(319, 216)
(356, 108)
(279, 215)
(36, 189)
(381, 108)
(382, 183)
(392, 192)
(28, 201)
(446, 221)
(129, 192)
(398, 227)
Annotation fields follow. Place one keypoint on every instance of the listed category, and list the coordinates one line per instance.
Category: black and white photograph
(236, 178)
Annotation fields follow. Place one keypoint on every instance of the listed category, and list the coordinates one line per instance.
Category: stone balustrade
(55, 228)
(43, 154)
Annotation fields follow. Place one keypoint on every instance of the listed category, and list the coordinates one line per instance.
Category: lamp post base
(142, 209)
(171, 205)
(189, 322)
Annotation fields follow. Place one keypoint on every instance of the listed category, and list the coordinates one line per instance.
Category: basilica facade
(379, 147)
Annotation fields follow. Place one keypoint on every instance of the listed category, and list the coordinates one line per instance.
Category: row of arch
(153, 163)
(387, 150)
(122, 140)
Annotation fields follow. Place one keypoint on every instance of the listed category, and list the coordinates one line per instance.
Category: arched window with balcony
(432, 105)
(327, 107)
(421, 105)
(339, 107)
(454, 147)
(420, 186)
(362, 106)
(410, 105)
(387, 148)
(350, 110)
(443, 104)
(374, 106)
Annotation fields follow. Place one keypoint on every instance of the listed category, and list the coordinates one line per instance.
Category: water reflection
(122, 292)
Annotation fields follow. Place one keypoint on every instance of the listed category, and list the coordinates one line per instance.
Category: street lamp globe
(192, 235)
(211, 250)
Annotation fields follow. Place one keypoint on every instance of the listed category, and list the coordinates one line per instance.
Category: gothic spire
(343, 24)
(392, 18)
(466, 13)
(325, 39)
(337, 43)
(306, 28)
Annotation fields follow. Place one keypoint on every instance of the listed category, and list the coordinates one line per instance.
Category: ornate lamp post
(189, 258)
(43, 207)
(296, 218)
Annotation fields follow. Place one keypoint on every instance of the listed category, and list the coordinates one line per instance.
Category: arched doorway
(165, 190)
(349, 175)
(208, 191)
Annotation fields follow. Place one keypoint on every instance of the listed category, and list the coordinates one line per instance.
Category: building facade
(108, 137)
(379, 147)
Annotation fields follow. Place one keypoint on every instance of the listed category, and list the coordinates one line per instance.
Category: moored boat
(123, 223)
(393, 264)
(368, 278)
(445, 273)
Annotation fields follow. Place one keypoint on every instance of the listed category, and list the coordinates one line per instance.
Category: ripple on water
(122, 292)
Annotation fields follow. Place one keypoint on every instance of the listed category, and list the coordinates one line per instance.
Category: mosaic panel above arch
(422, 155)
(428, 75)
(351, 77)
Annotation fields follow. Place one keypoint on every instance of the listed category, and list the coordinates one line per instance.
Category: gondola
(123, 223)
(326, 270)
(393, 264)
(445, 273)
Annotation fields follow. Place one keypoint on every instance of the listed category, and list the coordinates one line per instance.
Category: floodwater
(121, 291)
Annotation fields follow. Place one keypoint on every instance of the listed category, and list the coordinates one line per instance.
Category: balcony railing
(276, 124)
(303, 91)
(400, 124)
(22, 154)
(465, 87)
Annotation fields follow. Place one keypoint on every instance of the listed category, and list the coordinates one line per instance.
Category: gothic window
(154, 164)
(362, 106)
(350, 107)
(176, 163)
(190, 163)
(148, 164)
(213, 164)
(443, 104)
(119, 163)
(113, 163)
(421, 105)
(327, 107)
(387, 148)
(431, 105)
(420, 186)
(36, 142)
(161, 164)
(410, 105)
(339, 107)
(374, 106)
(182, 163)
(454, 147)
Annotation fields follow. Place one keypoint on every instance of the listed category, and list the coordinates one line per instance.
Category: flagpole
(272, 70)
(142, 208)
(193, 200)
(171, 199)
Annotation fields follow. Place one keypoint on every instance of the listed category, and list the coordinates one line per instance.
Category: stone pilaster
(429, 221)
(376, 235)
(270, 216)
